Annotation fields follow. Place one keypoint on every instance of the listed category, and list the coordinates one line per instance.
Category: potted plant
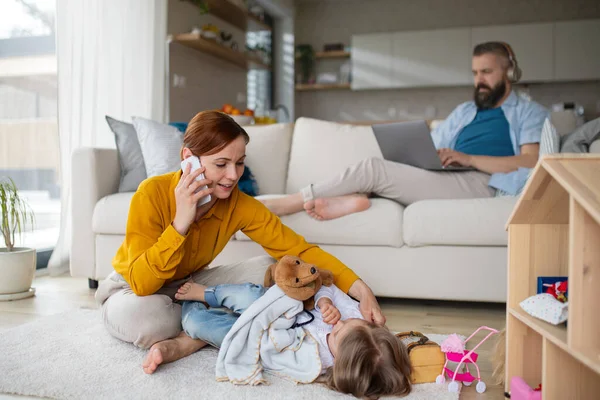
(305, 56)
(17, 264)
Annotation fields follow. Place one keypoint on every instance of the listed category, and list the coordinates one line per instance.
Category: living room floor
(60, 294)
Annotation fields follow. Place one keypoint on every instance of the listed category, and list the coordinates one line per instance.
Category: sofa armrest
(595, 147)
(95, 173)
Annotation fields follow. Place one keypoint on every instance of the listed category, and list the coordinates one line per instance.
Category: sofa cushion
(380, 225)
(321, 149)
(595, 147)
(160, 144)
(267, 155)
(110, 214)
(464, 222)
(131, 160)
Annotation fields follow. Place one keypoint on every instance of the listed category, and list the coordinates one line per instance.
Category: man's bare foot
(170, 350)
(328, 208)
(285, 205)
(191, 291)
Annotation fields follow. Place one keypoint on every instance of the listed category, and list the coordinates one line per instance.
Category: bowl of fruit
(242, 118)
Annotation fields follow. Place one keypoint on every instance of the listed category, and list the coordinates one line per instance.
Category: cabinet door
(432, 58)
(531, 43)
(577, 51)
(371, 61)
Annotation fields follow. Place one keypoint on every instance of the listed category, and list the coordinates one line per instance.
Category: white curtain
(111, 61)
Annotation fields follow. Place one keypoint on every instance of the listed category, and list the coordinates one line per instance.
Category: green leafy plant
(305, 56)
(16, 213)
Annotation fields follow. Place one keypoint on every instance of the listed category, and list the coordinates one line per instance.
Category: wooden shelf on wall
(332, 54)
(196, 42)
(235, 15)
(303, 87)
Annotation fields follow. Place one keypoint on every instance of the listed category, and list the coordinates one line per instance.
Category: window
(29, 149)
(260, 84)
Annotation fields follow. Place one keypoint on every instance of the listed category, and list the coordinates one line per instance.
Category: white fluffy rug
(71, 356)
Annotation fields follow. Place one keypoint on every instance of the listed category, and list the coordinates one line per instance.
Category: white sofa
(435, 249)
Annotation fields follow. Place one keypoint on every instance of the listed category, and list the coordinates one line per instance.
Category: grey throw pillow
(160, 144)
(133, 170)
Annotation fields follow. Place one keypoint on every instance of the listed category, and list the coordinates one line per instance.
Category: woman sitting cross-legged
(170, 240)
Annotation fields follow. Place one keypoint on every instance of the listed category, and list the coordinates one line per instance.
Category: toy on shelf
(558, 290)
(557, 286)
(520, 390)
(456, 352)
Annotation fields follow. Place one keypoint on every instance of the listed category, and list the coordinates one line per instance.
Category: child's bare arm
(331, 315)
(324, 300)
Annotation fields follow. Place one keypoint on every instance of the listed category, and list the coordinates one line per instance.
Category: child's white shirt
(348, 307)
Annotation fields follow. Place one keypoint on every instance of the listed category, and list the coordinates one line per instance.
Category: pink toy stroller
(455, 351)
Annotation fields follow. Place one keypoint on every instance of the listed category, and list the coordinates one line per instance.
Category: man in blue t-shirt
(498, 134)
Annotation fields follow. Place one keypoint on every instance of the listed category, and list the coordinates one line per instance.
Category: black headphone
(513, 73)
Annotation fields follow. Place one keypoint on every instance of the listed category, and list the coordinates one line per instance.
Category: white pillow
(268, 154)
(550, 141)
(323, 149)
(160, 144)
(545, 307)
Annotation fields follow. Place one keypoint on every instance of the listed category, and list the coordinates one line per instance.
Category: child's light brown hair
(371, 362)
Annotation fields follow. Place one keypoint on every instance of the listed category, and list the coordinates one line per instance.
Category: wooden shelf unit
(195, 41)
(554, 230)
(304, 87)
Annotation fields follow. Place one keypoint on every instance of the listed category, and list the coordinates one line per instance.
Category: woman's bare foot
(285, 205)
(191, 291)
(170, 350)
(327, 208)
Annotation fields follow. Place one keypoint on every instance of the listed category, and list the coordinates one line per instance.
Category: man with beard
(497, 134)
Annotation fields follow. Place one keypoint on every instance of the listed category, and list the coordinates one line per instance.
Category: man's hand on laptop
(451, 157)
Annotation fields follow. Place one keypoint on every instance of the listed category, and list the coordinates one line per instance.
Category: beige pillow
(268, 154)
(322, 149)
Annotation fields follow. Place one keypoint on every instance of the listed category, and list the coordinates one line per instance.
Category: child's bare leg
(191, 291)
(170, 350)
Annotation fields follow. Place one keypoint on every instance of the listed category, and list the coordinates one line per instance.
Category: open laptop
(411, 143)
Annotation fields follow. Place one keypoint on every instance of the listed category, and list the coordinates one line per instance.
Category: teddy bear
(298, 279)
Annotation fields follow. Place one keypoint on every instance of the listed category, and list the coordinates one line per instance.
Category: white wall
(319, 22)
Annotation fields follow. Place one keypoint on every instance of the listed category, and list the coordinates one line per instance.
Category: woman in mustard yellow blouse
(169, 240)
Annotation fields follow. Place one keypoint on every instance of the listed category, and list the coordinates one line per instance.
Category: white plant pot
(17, 269)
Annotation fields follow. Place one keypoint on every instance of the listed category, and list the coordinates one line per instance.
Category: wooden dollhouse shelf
(554, 230)
(195, 41)
(302, 87)
(556, 334)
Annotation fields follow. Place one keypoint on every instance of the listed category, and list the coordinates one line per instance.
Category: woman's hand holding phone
(186, 200)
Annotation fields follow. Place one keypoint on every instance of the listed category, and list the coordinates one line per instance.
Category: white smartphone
(195, 161)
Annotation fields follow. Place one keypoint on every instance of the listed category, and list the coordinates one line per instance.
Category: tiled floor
(60, 294)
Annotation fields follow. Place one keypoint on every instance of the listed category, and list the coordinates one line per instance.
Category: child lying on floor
(357, 357)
